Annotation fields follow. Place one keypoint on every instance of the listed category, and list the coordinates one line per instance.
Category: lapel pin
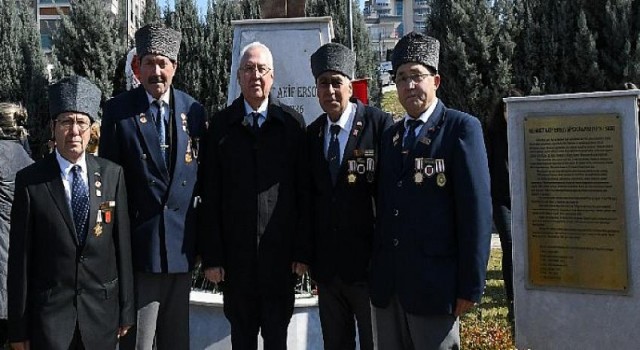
(143, 118)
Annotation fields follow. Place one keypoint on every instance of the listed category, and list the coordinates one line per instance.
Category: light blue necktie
(161, 129)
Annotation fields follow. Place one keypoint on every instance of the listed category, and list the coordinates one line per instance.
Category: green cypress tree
(588, 77)
(89, 47)
(22, 64)
(151, 12)
(190, 71)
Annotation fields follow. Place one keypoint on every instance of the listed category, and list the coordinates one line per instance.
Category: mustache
(155, 80)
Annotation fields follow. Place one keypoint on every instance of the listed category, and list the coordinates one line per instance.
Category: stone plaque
(575, 202)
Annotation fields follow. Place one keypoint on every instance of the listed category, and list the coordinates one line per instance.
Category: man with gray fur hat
(433, 231)
(70, 277)
(153, 131)
(343, 152)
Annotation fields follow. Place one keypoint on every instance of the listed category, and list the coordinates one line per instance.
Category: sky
(202, 4)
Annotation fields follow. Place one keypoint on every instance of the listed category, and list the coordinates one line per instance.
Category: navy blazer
(54, 282)
(161, 200)
(342, 216)
(432, 239)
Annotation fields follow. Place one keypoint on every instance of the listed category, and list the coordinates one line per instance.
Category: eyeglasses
(67, 124)
(414, 78)
(262, 70)
(336, 84)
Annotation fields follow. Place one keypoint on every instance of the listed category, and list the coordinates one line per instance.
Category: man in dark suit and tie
(343, 152)
(254, 233)
(153, 131)
(70, 276)
(433, 231)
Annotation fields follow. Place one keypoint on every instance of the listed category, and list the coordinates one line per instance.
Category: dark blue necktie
(79, 204)
(333, 153)
(161, 129)
(256, 118)
(410, 138)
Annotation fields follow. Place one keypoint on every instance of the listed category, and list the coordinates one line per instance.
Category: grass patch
(487, 327)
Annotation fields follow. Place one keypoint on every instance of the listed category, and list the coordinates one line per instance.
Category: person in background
(343, 153)
(153, 131)
(254, 227)
(498, 158)
(13, 157)
(70, 279)
(433, 231)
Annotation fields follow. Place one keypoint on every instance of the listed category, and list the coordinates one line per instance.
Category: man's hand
(24, 345)
(462, 306)
(299, 268)
(214, 274)
(122, 331)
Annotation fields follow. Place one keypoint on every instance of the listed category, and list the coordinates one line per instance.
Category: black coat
(255, 186)
(53, 281)
(342, 216)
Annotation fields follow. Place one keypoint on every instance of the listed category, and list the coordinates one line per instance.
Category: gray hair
(254, 45)
(13, 119)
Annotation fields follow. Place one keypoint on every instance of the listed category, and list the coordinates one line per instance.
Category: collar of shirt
(424, 117)
(165, 98)
(345, 122)
(262, 109)
(67, 176)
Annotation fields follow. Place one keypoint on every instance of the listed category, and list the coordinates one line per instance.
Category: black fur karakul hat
(74, 94)
(333, 57)
(418, 48)
(157, 39)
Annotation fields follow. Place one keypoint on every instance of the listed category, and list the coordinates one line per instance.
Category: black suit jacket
(53, 282)
(255, 188)
(342, 216)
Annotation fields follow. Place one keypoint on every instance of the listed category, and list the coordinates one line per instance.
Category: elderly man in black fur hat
(433, 231)
(153, 131)
(343, 151)
(70, 276)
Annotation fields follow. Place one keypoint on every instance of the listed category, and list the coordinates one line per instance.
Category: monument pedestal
(575, 218)
(291, 41)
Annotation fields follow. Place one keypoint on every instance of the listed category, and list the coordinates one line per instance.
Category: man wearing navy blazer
(343, 152)
(433, 231)
(70, 283)
(153, 131)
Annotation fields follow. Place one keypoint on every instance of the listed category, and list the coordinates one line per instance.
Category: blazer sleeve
(19, 256)
(210, 238)
(473, 208)
(122, 239)
(302, 244)
(109, 146)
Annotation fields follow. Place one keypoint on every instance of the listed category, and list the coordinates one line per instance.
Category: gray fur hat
(158, 40)
(334, 57)
(74, 94)
(416, 47)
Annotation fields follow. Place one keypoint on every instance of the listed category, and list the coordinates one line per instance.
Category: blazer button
(143, 156)
(395, 242)
(399, 183)
(184, 183)
(152, 182)
(82, 258)
(396, 212)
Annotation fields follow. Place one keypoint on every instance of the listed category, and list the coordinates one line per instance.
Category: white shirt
(262, 109)
(165, 98)
(67, 175)
(345, 123)
(424, 117)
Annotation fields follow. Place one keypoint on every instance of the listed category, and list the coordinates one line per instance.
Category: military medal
(98, 184)
(425, 140)
(417, 176)
(441, 180)
(361, 168)
(351, 178)
(184, 122)
(187, 156)
(97, 230)
(106, 209)
(371, 167)
(143, 118)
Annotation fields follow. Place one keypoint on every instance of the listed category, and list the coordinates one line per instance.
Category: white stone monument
(573, 162)
(291, 41)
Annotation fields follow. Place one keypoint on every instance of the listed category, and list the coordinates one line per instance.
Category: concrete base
(210, 330)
